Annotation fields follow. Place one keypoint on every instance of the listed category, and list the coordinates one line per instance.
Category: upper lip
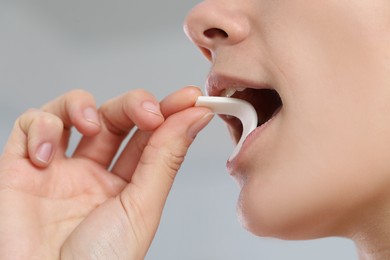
(264, 98)
(217, 82)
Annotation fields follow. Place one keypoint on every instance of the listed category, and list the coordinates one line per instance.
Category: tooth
(228, 92)
(240, 89)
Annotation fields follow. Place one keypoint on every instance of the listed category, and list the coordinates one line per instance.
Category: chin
(272, 218)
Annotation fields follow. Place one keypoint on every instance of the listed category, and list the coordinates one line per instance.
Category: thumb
(162, 157)
(127, 224)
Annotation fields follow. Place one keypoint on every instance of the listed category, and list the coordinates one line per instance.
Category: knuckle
(74, 97)
(170, 158)
(31, 111)
(137, 93)
(77, 93)
(28, 117)
(193, 90)
(37, 119)
(27, 114)
(172, 163)
(134, 96)
(50, 120)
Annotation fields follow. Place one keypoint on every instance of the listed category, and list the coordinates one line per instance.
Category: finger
(118, 117)
(76, 108)
(36, 135)
(128, 160)
(180, 100)
(143, 199)
(137, 209)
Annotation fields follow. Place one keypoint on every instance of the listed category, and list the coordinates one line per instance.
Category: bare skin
(53, 206)
(320, 167)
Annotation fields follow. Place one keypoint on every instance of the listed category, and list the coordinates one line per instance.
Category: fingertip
(36, 135)
(44, 154)
(153, 113)
(180, 100)
(143, 109)
(90, 122)
(184, 126)
(86, 120)
(91, 116)
(43, 138)
(152, 107)
(192, 90)
(76, 108)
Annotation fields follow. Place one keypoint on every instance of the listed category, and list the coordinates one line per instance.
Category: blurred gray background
(48, 47)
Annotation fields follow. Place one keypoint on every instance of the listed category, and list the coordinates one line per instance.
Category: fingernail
(44, 152)
(91, 116)
(152, 108)
(195, 128)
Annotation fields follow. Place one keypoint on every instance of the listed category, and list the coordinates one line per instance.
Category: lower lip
(232, 165)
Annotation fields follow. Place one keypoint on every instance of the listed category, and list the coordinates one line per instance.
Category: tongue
(239, 108)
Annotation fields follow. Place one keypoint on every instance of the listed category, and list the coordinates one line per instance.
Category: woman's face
(322, 161)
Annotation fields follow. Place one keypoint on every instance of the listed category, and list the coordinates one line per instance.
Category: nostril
(215, 33)
(207, 53)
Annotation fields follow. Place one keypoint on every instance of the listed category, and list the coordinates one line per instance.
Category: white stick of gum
(241, 109)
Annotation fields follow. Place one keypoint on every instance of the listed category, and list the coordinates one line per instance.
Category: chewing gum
(241, 109)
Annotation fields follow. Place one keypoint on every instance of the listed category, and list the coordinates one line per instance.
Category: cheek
(318, 172)
(327, 158)
(332, 45)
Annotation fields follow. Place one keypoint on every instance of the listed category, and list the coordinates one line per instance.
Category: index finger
(179, 100)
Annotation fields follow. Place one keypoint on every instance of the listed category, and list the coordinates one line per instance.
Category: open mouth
(267, 103)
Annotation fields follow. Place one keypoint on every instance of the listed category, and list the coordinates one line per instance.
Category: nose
(214, 23)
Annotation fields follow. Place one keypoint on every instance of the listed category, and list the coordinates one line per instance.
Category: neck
(373, 252)
(373, 238)
(369, 227)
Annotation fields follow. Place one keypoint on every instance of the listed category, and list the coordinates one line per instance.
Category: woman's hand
(82, 207)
